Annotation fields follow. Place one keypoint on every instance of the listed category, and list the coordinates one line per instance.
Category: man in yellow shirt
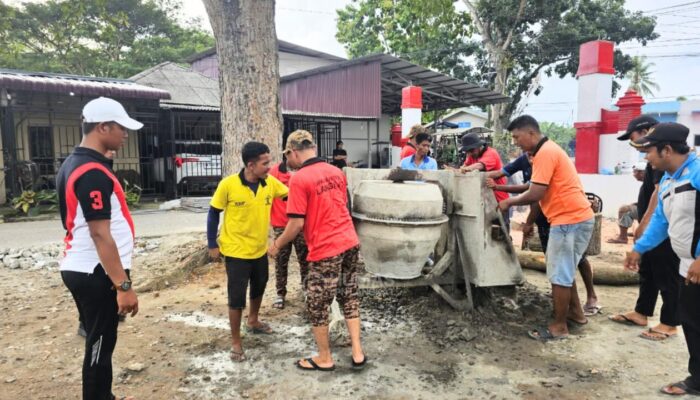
(246, 200)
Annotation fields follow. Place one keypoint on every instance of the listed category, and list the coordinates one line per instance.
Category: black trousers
(690, 319)
(658, 272)
(97, 302)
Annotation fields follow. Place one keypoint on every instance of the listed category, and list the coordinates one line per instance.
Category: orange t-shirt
(565, 201)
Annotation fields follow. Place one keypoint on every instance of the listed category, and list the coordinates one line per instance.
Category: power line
(668, 7)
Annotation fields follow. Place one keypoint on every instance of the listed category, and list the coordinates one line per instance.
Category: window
(41, 149)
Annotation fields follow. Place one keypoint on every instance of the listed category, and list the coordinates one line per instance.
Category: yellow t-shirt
(246, 215)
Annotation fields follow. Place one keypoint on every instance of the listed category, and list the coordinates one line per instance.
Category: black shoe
(81, 330)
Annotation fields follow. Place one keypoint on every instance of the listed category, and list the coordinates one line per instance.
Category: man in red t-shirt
(410, 148)
(278, 220)
(317, 203)
(481, 157)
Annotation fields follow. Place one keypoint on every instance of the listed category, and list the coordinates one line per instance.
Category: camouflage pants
(333, 277)
(282, 262)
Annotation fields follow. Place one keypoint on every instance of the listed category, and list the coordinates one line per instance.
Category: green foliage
(640, 77)
(428, 32)
(545, 38)
(132, 193)
(96, 37)
(29, 201)
(562, 135)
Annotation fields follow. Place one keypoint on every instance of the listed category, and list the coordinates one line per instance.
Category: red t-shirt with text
(318, 193)
(492, 162)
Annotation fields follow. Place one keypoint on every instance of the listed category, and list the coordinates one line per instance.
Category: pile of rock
(48, 257)
(44, 257)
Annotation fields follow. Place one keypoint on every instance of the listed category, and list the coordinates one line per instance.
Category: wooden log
(604, 273)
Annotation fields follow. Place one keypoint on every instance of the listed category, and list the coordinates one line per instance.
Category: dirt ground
(420, 348)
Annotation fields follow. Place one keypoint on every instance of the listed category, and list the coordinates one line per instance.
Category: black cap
(666, 132)
(637, 124)
(471, 141)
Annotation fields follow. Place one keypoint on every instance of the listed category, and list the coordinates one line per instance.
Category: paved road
(151, 223)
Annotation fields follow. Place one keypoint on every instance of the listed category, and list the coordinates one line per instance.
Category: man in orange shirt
(410, 148)
(557, 187)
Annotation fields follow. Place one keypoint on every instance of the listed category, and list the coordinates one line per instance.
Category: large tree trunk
(246, 45)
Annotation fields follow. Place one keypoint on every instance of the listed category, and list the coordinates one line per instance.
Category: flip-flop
(279, 303)
(575, 323)
(263, 329)
(545, 335)
(616, 241)
(237, 356)
(357, 366)
(590, 311)
(624, 321)
(314, 366)
(648, 335)
(682, 386)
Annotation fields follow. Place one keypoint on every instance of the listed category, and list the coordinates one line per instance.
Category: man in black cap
(658, 271)
(481, 157)
(677, 217)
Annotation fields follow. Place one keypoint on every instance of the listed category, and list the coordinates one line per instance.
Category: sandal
(237, 356)
(544, 334)
(314, 366)
(358, 366)
(590, 311)
(655, 336)
(624, 320)
(668, 389)
(263, 329)
(616, 241)
(279, 303)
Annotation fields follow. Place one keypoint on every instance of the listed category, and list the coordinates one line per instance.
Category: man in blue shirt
(676, 217)
(420, 160)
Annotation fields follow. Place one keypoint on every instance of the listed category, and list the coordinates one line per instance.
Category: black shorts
(239, 271)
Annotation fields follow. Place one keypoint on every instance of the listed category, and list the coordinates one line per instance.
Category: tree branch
(509, 38)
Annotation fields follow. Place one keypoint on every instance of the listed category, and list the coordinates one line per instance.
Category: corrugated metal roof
(78, 85)
(282, 45)
(188, 89)
(440, 91)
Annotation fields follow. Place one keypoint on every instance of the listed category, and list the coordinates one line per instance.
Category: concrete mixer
(404, 217)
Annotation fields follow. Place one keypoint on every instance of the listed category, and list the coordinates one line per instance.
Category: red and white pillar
(411, 113)
(595, 76)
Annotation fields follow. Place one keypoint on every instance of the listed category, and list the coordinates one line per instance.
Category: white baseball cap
(103, 109)
(640, 166)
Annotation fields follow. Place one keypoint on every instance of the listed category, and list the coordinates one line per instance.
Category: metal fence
(44, 138)
(326, 132)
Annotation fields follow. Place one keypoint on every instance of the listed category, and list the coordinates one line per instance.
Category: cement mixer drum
(398, 225)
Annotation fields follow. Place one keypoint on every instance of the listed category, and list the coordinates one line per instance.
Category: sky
(312, 23)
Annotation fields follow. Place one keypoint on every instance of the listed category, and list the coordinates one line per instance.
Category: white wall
(594, 93)
(687, 118)
(293, 63)
(615, 190)
(354, 136)
(613, 151)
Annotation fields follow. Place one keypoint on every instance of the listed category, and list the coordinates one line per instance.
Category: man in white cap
(99, 239)
(627, 213)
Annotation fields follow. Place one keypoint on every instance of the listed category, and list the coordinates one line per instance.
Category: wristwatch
(124, 286)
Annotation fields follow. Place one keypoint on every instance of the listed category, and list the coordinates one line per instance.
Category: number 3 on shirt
(96, 197)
